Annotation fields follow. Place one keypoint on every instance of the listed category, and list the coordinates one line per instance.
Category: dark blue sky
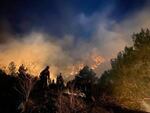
(59, 17)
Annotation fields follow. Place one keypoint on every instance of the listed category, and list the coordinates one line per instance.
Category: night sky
(60, 17)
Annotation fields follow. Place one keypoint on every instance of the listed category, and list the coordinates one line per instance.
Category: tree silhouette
(84, 81)
(12, 68)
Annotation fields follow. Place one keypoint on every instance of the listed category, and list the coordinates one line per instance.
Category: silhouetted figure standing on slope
(60, 82)
(45, 77)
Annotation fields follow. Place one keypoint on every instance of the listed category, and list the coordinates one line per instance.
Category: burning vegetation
(35, 51)
(122, 89)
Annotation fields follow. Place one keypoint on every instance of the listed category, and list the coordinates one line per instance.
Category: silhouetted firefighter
(45, 77)
(60, 82)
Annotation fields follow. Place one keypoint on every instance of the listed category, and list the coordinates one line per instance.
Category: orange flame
(94, 61)
(97, 60)
(75, 68)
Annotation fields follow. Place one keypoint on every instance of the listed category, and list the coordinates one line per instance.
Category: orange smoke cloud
(35, 52)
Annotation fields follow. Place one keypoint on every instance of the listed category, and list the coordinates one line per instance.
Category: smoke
(33, 51)
(37, 50)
